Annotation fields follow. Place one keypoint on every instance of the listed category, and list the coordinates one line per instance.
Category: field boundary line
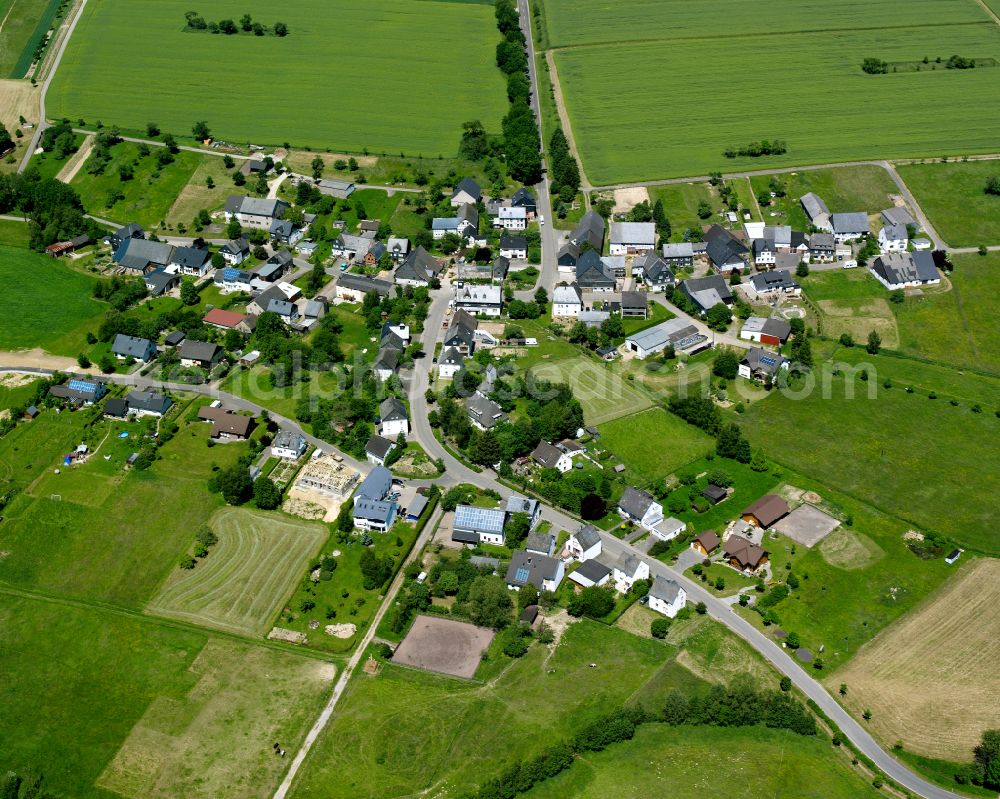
(989, 11)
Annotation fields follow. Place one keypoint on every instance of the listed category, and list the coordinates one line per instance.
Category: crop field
(603, 394)
(854, 436)
(931, 679)
(378, 743)
(694, 762)
(148, 196)
(23, 23)
(103, 701)
(653, 443)
(355, 64)
(690, 57)
(249, 573)
(95, 548)
(953, 197)
(45, 303)
(844, 189)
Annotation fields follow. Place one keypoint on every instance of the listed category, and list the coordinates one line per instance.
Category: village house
(707, 292)
(513, 247)
(654, 271)
(255, 212)
(148, 403)
(822, 247)
(461, 333)
(761, 364)
(850, 226)
(419, 268)
(541, 571)
(464, 222)
(193, 261)
(666, 597)
(398, 249)
(766, 286)
(141, 349)
(705, 543)
(161, 282)
(584, 544)
(634, 305)
(548, 456)
(511, 218)
(479, 299)
(680, 255)
(450, 363)
(590, 230)
(905, 270)
(668, 529)
(226, 320)
(392, 413)
(473, 526)
(627, 569)
(374, 255)
(288, 445)
(351, 247)
(540, 544)
(130, 231)
(893, 238)
(632, 238)
(235, 251)
(640, 508)
(766, 331)
(372, 511)
(353, 288)
(817, 212)
(725, 251)
(531, 508)
(567, 301)
(484, 413)
(227, 425)
(466, 192)
(591, 572)
(79, 392)
(743, 554)
(767, 510)
(592, 274)
(141, 257)
(386, 363)
(523, 198)
(202, 354)
(897, 215)
(378, 448)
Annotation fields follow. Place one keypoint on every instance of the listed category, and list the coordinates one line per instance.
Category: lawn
(692, 57)
(356, 62)
(107, 545)
(851, 301)
(107, 704)
(902, 674)
(852, 440)
(603, 394)
(248, 574)
(15, 391)
(958, 326)
(406, 731)
(653, 444)
(252, 385)
(23, 24)
(148, 196)
(953, 197)
(45, 303)
(48, 164)
(694, 762)
(843, 189)
(196, 195)
(14, 234)
(680, 204)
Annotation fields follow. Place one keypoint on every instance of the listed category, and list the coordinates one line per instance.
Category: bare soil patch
(807, 525)
(443, 645)
(627, 199)
(931, 679)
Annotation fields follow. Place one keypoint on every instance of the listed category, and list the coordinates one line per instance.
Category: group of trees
(565, 172)
(196, 22)
(875, 66)
(644, 212)
(6, 142)
(521, 139)
(16, 786)
(53, 208)
(756, 149)
(993, 185)
(59, 140)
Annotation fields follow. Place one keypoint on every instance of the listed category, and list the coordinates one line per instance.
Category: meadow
(680, 204)
(876, 449)
(691, 58)
(248, 574)
(45, 303)
(603, 394)
(852, 301)
(108, 704)
(107, 545)
(148, 196)
(355, 62)
(900, 674)
(653, 444)
(23, 23)
(692, 763)
(953, 197)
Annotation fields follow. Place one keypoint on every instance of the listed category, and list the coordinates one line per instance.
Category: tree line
(741, 704)
(756, 149)
(196, 22)
(565, 173)
(522, 141)
(54, 209)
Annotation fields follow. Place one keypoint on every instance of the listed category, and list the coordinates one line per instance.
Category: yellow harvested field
(931, 679)
(18, 98)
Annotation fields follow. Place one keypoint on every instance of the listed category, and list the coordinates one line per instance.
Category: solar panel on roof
(230, 273)
(81, 385)
(522, 574)
(767, 360)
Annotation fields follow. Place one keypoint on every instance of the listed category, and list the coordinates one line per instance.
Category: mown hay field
(673, 61)
(394, 75)
(931, 680)
(246, 576)
(603, 394)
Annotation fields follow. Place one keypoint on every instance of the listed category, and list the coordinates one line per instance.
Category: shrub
(659, 628)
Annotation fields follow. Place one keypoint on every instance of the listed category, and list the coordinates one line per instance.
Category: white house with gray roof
(850, 226)
(255, 212)
(567, 301)
(628, 568)
(288, 445)
(640, 508)
(666, 597)
(905, 270)
(893, 238)
(584, 544)
(142, 349)
(392, 413)
(673, 332)
(632, 238)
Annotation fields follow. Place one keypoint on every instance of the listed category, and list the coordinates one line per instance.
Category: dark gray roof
(773, 280)
(452, 357)
(540, 542)
(131, 345)
(587, 536)
(523, 198)
(593, 570)
(635, 503)
(633, 299)
(376, 485)
(529, 567)
(509, 242)
(174, 338)
(591, 271)
(392, 409)
(470, 186)
(116, 407)
(190, 257)
(236, 246)
(821, 241)
(547, 455)
(419, 265)
(590, 228)
(139, 253)
(666, 590)
(160, 281)
(814, 206)
(761, 360)
(707, 291)
(388, 358)
(148, 401)
(898, 216)
(854, 222)
(723, 247)
(374, 510)
(379, 447)
(484, 410)
(365, 284)
(906, 267)
(199, 350)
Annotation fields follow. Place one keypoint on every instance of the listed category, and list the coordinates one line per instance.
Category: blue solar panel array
(522, 574)
(767, 360)
(230, 273)
(81, 385)
(484, 520)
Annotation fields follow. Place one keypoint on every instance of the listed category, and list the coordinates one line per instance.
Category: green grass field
(877, 450)
(602, 393)
(196, 195)
(852, 301)
(148, 196)
(844, 189)
(653, 443)
(354, 64)
(14, 234)
(692, 56)
(23, 23)
(46, 304)
(691, 763)
(247, 575)
(953, 197)
(680, 203)
(108, 704)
